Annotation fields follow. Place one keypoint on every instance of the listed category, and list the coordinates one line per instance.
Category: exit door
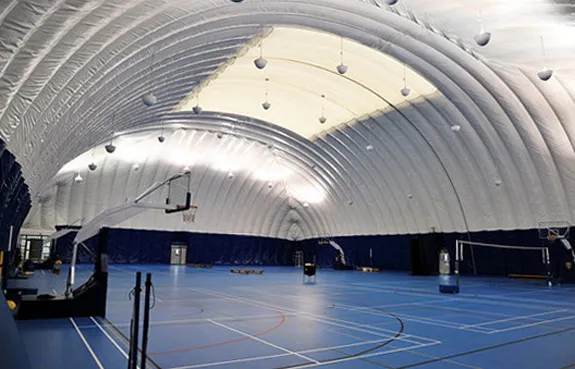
(178, 255)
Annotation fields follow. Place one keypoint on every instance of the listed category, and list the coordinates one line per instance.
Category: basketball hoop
(189, 216)
(551, 237)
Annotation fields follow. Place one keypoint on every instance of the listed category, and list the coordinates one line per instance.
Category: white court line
(437, 301)
(353, 326)
(87, 345)
(358, 327)
(379, 313)
(111, 339)
(532, 324)
(257, 358)
(407, 292)
(328, 362)
(441, 323)
(264, 342)
(361, 307)
(514, 318)
(424, 320)
(43, 273)
(329, 320)
(431, 322)
(218, 363)
(206, 320)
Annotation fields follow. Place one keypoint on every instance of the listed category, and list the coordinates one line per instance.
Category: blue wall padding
(14, 206)
(132, 246)
(129, 246)
(14, 197)
(393, 252)
(389, 252)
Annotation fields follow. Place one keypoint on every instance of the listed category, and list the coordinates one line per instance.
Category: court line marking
(283, 320)
(359, 327)
(263, 341)
(324, 320)
(516, 318)
(87, 344)
(431, 322)
(111, 339)
(496, 298)
(205, 320)
(443, 323)
(257, 358)
(422, 320)
(372, 312)
(244, 360)
(330, 362)
(532, 324)
(353, 326)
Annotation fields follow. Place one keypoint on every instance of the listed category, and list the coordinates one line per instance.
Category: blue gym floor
(213, 319)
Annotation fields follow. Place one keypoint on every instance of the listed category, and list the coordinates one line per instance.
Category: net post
(148, 285)
(547, 261)
(456, 249)
(71, 272)
(133, 360)
(457, 258)
(473, 259)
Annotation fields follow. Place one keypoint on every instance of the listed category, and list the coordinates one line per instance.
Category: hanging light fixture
(266, 104)
(482, 38)
(545, 73)
(161, 137)
(78, 178)
(405, 91)
(149, 99)
(197, 109)
(110, 148)
(322, 119)
(341, 68)
(92, 166)
(260, 62)
(455, 127)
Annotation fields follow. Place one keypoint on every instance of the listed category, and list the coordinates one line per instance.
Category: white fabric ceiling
(72, 73)
(303, 83)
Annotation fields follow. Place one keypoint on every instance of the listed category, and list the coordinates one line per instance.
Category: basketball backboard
(551, 230)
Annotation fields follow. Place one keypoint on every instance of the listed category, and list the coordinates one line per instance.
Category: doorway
(178, 256)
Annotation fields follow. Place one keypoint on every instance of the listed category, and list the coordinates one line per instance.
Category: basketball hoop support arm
(135, 203)
(157, 185)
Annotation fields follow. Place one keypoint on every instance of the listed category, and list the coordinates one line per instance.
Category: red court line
(226, 342)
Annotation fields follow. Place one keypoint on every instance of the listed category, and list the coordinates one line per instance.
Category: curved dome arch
(517, 143)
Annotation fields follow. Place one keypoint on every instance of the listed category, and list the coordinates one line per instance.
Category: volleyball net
(480, 258)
